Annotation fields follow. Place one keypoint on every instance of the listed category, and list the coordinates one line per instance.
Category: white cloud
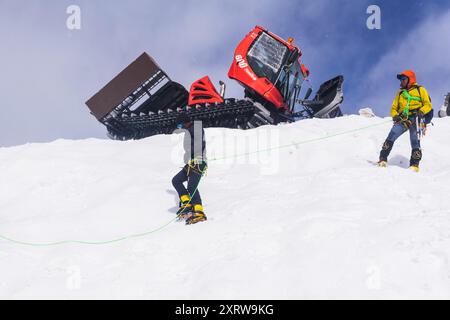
(48, 71)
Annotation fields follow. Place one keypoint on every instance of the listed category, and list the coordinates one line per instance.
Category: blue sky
(61, 69)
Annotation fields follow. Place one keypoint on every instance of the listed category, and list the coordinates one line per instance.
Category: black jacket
(194, 143)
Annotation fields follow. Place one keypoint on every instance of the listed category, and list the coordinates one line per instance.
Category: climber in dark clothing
(191, 208)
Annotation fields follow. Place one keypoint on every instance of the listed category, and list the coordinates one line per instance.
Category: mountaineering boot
(185, 210)
(197, 216)
(382, 164)
(384, 153)
(416, 156)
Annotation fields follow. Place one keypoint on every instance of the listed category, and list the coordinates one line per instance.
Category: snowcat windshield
(289, 83)
(266, 57)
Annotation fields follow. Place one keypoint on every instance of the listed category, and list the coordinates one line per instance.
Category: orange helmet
(410, 75)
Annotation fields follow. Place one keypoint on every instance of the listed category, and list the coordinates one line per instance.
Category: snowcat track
(143, 101)
(239, 114)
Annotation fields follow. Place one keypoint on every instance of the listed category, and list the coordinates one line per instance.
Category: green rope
(140, 235)
(48, 244)
(303, 142)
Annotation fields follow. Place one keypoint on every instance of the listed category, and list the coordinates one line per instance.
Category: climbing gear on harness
(421, 127)
(196, 165)
(405, 121)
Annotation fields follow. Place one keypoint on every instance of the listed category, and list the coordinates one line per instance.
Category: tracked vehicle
(143, 100)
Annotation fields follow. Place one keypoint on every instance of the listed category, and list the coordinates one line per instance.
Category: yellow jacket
(400, 101)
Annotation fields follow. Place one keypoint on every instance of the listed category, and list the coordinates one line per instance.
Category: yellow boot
(185, 210)
(414, 168)
(198, 215)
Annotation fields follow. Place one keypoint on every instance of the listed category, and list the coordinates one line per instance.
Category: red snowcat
(143, 101)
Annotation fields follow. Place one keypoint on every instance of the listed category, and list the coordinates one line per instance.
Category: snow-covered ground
(309, 220)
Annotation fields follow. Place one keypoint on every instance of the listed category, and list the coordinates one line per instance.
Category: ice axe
(420, 127)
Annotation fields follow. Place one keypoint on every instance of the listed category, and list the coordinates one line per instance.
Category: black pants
(192, 176)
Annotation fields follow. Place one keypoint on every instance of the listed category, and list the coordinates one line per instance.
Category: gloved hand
(397, 119)
(420, 113)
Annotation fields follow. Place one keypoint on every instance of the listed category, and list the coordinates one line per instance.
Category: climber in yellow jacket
(411, 101)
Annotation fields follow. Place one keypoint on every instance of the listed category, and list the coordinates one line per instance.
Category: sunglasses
(403, 78)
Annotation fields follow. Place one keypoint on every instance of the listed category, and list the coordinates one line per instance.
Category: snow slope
(311, 220)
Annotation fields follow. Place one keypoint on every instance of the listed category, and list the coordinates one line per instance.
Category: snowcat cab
(143, 101)
(269, 69)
